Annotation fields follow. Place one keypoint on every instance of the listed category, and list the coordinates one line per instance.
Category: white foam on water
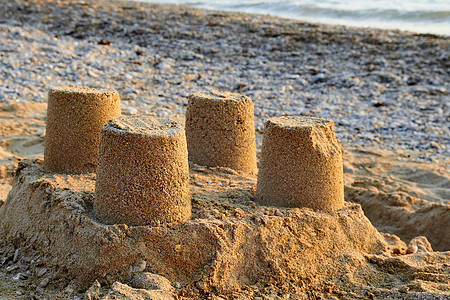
(422, 16)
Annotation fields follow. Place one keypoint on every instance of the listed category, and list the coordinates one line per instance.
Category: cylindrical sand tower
(74, 118)
(143, 172)
(220, 131)
(301, 164)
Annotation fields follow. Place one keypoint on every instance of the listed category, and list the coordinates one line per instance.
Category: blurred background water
(424, 16)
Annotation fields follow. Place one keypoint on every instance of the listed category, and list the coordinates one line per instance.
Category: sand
(74, 118)
(142, 175)
(301, 164)
(400, 196)
(396, 210)
(231, 247)
(220, 131)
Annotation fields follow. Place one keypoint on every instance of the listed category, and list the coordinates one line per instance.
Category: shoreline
(347, 22)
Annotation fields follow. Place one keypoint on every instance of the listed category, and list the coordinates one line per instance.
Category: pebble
(42, 272)
(319, 77)
(139, 266)
(11, 268)
(44, 282)
(20, 276)
(128, 76)
(16, 255)
(349, 170)
(379, 96)
(130, 110)
(151, 281)
(164, 65)
(40, 132)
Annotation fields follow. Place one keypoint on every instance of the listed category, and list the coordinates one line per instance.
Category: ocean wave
(400, 14)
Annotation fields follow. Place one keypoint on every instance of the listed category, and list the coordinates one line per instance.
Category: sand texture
(400, 196)
(386, 92)
(220, 131)
(74, 118)
(301, 164)
(142, 174)
(230, 246)
(61, 208)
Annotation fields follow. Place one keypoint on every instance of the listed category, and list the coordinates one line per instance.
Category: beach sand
(386, 92)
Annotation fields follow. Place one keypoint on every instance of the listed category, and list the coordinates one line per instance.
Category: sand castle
(143, 172)
(142, 178)
(220, 131)
(74, 118)
(301, 164)
(258, 244)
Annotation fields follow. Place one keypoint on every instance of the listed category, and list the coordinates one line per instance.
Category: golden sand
(220, 131)
(74, 118)
(301, 164)
(143, 172)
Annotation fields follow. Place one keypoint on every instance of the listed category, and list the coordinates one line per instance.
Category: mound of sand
(400, 196)
(230, 246)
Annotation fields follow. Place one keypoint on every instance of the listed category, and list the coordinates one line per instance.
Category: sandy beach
(385, 91)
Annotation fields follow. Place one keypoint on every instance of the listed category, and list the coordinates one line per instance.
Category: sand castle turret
(74, 118)
(301, 164)
(143, 172)
(220, 131)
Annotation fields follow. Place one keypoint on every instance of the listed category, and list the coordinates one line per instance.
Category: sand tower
(74, 118)
(220, 131)
(143, 172)
(301, 164)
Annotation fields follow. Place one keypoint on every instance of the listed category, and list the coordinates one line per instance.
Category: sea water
(422, 16)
